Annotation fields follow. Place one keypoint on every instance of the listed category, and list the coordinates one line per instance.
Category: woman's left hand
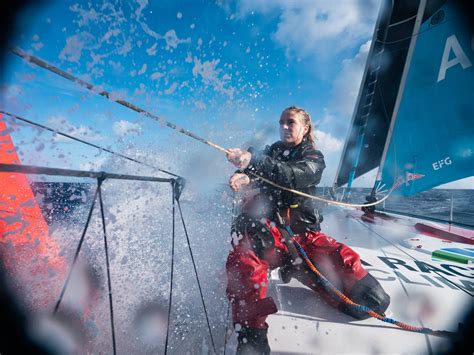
(238, 157)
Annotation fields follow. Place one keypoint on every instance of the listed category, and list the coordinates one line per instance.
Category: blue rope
(334, 291)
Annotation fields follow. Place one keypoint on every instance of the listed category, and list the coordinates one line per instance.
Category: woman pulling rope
(272, 219)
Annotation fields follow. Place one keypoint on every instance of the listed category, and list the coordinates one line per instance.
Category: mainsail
(431, 142)
(413, 117)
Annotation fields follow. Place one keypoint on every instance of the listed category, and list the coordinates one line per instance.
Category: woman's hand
(238, 157)
(238, 180)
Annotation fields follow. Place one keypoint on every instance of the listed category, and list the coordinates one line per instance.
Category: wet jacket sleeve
(298, 173)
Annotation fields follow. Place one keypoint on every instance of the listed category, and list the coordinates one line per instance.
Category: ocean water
(447, 205)
(59, 200)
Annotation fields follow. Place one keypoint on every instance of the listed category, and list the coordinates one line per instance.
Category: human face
(292, 128)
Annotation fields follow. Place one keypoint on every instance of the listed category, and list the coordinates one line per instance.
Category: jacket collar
(281, 146)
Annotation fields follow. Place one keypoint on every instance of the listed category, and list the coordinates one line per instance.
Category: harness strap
(287, 235)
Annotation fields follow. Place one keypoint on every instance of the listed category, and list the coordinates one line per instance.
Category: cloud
(123, 128)
(316, 28)
(347, 83)
(466, 183)
(83, 132)
(95, 165)
(328, 143)
(366, 180)
(337, 115)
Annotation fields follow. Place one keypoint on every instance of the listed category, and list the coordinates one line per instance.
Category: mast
(387, 5)
(369, 98)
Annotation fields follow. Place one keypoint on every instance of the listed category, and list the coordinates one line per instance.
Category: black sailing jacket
(298, 168)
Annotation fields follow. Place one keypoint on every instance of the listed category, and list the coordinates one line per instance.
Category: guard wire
(78, 249)
(109, 282)
(197, 276)
(172, 267)
(84, 142)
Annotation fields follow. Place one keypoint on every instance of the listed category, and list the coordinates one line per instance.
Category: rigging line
(52, 68)
(383, 104)
(197, 276)
(78, 249)
(227, 327)
(415, 259)
(402, 21)
(109, 282)
(41, 63)
(85, 142)
(331, 202)
(413, 35)
(173, 188)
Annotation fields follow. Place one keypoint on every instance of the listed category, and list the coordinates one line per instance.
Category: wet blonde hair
(305, 116)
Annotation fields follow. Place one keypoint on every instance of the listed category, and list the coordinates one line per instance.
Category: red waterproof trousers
(247, 273)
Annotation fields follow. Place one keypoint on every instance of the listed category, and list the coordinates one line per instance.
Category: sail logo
(459, 57)
(412, 177)
(442, 163)
(419, 273)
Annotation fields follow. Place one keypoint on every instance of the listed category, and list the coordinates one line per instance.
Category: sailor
(261, 242)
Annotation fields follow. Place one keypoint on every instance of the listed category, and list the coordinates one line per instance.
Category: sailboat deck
(421, 297)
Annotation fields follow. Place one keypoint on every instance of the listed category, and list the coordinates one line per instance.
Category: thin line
(413, 35)
(401, 21)
(226, 327)
(172, 269)
(41, 63)
(197, 276)
(84, 142)
(109, 282)
(78, 249)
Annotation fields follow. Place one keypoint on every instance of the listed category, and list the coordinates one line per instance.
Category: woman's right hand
(238, 180)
